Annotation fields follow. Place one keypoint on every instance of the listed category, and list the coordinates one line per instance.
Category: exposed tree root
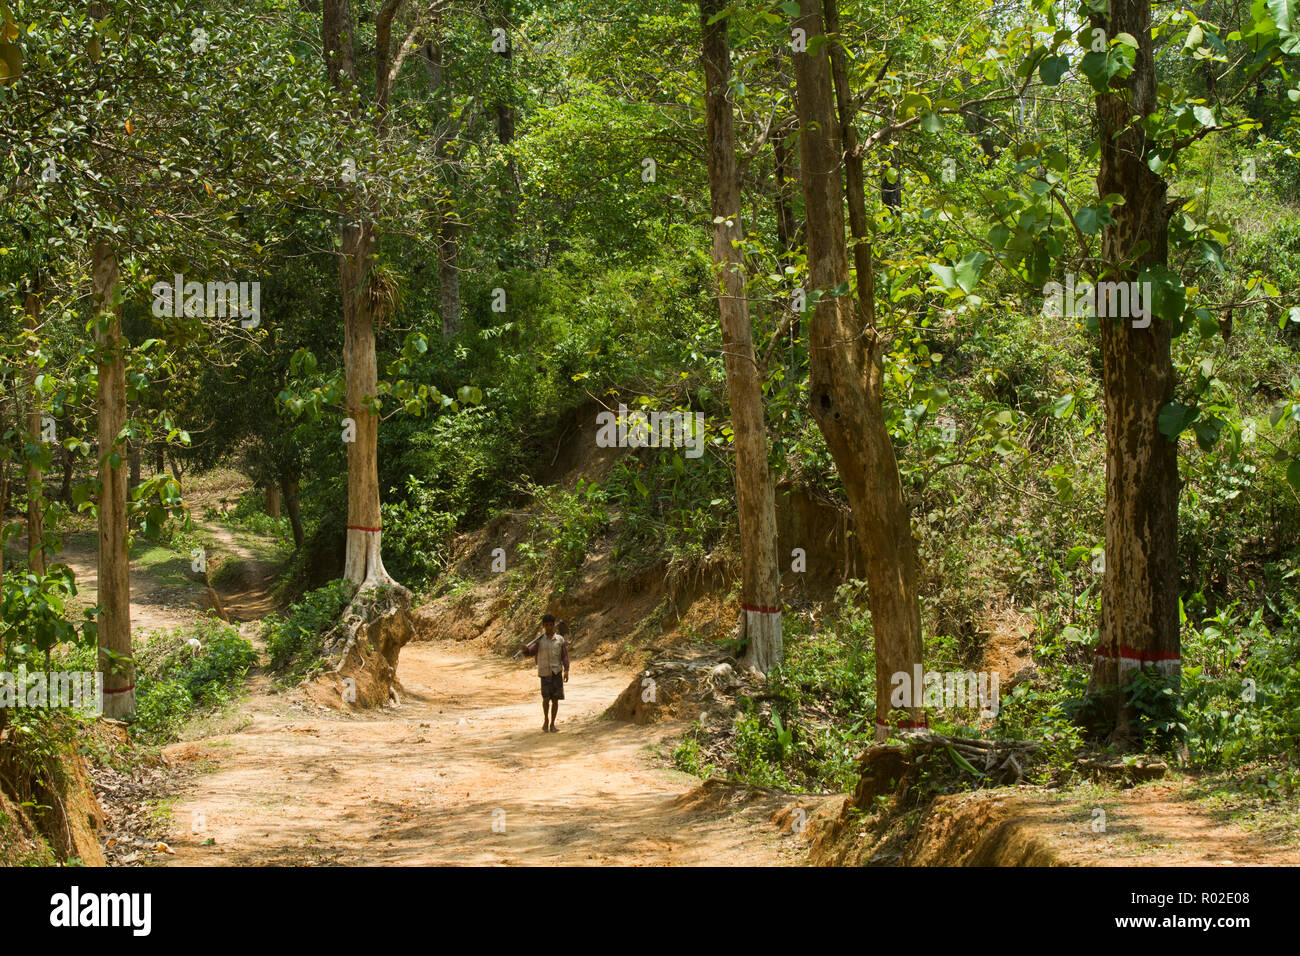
(364, 647)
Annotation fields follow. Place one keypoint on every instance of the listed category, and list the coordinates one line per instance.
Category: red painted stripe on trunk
(120, 690)
(360, 527)
(922, 724)
(757, 609)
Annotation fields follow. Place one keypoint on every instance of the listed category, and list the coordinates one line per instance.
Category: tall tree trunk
(505, 123)
(449, 269)
(363, 563)
(785, 225)
(4, 497)
(114, 624)
(65, 485)
(854, 181)
(289, 489)
(272, 492)
(1139, 606)
(35, 502)
(4, 494)
(756, 501)
(448, 235)
(846, 390)
(785, 228)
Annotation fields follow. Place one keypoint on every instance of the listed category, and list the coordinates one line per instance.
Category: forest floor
(459, 772)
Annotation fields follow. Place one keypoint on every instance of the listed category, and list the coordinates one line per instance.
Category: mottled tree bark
(756, 500)
(449, 269)
(846, 388)
(1139, 608)
(114, 623)
(35, 495)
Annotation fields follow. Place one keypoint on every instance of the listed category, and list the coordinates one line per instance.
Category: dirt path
(460, 772)
(159, 605)
(154, 606)
(425, 781)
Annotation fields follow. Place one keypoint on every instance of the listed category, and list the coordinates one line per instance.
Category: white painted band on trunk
(763, 622)
(1169, 666)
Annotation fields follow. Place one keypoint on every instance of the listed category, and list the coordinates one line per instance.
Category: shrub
(172, 682)
(294, 641)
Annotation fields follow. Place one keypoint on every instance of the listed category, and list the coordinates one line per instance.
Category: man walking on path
(552, 653)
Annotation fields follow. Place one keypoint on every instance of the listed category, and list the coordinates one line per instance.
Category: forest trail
(167, 595)
(424, 782)
(155, 605)
(288, 782)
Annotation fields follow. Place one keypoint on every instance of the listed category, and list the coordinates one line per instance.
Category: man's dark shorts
(553, 687)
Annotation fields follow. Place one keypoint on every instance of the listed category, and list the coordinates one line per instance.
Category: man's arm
(531, 649)
(564, 658)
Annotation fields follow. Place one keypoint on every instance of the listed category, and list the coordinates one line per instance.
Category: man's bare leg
(555, 709)
(545, 725)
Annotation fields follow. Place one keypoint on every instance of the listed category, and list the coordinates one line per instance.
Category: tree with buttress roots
(401, 28)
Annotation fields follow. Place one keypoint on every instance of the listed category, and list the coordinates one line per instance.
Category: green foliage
(249, 514)
(416, 535)
(561, 528)
(173, 681)
(294, 640)
(36, 614)
(1240, 694)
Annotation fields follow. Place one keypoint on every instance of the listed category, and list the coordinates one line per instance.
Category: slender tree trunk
(761, 585)
(362, 564)
(35, 496)
(449, 269)
(785, 225)
(846, 390)
(114, 624)
(854, 181)
(891, 193)
(785, 229)
(4, 494)
(289, 488)
(272, 492)
(505, 123)
(505, 107)
(1139, 607)
(4, 497)
(65, 485)
(448, 227)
